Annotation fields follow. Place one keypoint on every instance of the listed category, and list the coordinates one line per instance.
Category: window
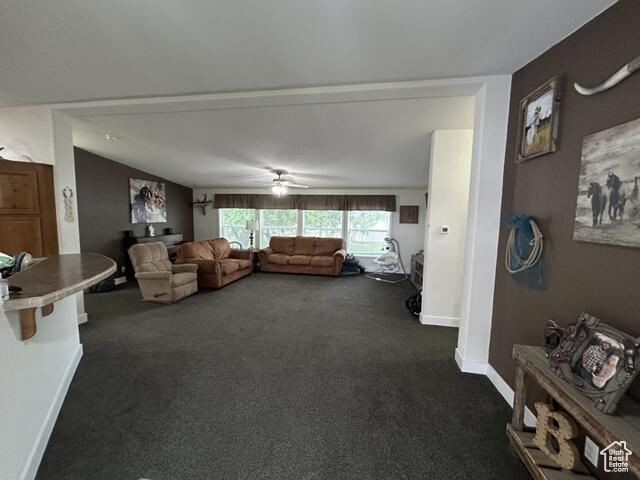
(282, 223)
(233, 223)
(367, 231)
(322, 223)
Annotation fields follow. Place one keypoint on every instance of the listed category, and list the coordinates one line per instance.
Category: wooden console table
(603, 429)
(50, 280)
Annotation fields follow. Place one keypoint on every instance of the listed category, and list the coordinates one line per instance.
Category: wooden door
(27, 209)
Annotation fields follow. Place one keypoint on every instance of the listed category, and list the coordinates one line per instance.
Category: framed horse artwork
(148, 201)
(538, 121)
(608, 204)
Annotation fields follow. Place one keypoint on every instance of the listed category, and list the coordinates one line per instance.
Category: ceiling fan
(280, 185)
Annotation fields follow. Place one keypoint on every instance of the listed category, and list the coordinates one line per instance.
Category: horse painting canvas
(148, 201)
(608, 207)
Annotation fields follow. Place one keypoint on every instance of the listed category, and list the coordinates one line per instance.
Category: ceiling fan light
(279, 190)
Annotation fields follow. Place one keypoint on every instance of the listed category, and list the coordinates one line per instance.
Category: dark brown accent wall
(600, 279)
(103, 205)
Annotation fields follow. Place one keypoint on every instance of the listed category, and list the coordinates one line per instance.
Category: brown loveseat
(217, 263)
(311, 255)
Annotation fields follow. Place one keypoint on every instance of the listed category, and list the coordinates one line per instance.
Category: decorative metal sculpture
(612, 81)
(202, 204)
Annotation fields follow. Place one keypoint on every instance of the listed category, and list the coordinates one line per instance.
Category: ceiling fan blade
(296, 185)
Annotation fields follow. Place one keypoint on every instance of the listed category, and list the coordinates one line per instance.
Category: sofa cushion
(304, 245)
(327, 246)
(278, 259)
(300, 260)
(178, 279)
(229, 265)
(321, 261)
(243, 263)
(221, 248)
(284, 245)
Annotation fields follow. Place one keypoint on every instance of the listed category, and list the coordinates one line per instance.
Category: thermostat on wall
(444, 229)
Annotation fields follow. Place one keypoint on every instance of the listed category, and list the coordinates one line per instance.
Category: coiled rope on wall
(524, 252)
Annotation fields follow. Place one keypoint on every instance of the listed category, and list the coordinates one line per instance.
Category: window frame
(347, 230)
(302, 223)
(345, 227)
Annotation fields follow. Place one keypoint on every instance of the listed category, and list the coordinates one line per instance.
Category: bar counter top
(53, 278)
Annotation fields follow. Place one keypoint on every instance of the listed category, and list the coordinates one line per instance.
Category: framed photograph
(148, 201)
(409, 213)
(608, 203)
(538, 121)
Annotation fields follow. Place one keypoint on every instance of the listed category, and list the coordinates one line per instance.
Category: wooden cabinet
(27, 209)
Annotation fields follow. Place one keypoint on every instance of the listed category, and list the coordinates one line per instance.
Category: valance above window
(384, 203)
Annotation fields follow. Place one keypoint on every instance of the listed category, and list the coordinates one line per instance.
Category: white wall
(27, 130)
(35, 374)
(449, 176)
(35, 377)
(483, 226)
(410, 236)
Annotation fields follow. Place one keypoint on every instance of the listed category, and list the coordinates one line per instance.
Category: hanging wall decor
(538, 121)
(409, 213)
(148, 201)
(69, 215)
(608, 207)
(626, 71)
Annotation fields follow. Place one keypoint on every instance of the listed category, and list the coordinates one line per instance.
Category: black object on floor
(275, 377)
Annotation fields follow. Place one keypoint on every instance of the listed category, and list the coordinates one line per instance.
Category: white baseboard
(35, 457)
(439, 321)
(470, 366)
(507, 393)
(83, 318)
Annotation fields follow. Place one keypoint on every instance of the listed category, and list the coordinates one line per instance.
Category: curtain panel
(386, 203)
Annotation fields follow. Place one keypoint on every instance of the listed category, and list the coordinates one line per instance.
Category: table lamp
(252, 226)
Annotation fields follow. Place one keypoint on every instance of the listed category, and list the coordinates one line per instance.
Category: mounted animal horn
(612, 81)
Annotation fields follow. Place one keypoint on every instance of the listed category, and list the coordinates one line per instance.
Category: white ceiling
(70, 50)
(366, 144)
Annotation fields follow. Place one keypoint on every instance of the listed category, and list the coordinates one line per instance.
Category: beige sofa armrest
(184, 267)
(264, 253)
(153, 275)
(338, 259)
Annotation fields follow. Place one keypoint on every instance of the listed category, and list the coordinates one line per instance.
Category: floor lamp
(252, 226)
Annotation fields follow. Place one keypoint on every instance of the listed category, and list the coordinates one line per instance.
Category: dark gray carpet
(275, 377)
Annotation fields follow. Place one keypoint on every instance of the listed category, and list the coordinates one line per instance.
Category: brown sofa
(159, 280)
(310, 255)
(218, 264)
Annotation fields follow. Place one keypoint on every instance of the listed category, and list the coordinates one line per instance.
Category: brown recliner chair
(310, 255)
(218, 264)
(159, 280)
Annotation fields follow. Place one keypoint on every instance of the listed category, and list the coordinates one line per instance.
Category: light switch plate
(591, 451)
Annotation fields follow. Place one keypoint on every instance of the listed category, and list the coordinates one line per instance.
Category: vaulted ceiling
(70, 50)
(54, 51)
